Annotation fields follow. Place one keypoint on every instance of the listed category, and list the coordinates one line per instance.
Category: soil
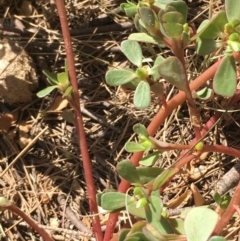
(40, 168)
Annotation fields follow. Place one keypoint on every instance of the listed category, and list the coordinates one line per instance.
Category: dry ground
(39, 153)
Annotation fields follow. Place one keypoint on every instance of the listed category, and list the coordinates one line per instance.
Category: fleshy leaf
(205, 94)
(148, 17)
(232, 9)
(114, 200)
(210, 29)
(149, 160)
(68, 91)
(51, 77)
(128, 171)
(162, 178)
(132, 50)
(225, 79)
(177, 224)
(173, 30)
(140, 129)
(62, 78)
(199, 223)
(46, 91)
(171, 70)
(154, 209)
(123, 234)
(117, 77)
(147, 174)
(129, 8)
(205, 46)
(146, 38)
(217, 238)
(182, 8)
(172, 17)
(142, 95)
(132, 146)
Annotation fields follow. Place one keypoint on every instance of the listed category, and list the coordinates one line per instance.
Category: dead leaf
(197, 172)
(58, 104)
(7, 120)
(181, 200)
(197, 196)
(24, 127)
(24, 138)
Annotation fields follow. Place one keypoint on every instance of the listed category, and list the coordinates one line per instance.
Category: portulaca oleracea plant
(165, 24)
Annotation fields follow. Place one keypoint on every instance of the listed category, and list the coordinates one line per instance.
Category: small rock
(17, 74)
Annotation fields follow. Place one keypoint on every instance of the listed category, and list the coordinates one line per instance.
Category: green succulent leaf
(171, 70)
(51, 77)
(211, 29)
(199, 223)
(146, 38)
(132, 146)
(142, 95)
(46, 91)
(123, 234)
(152, 233)
(128, 171)
(140, 129)
(162, 4)
(147, 174)
(150, 159)
(158, 60)
(173, 30)
(234, 45)
(217, 238)
(68, 91)
(114, 200)
(129, 8)
(154, 209)
(205, 46)
(205, 94)
(182, 8)
(225, 79)
(118, 77)
(162, 178)
(63, 78)
(232, 9)
(172, 17)
(132, 50)
(177, 224)
(148, 17)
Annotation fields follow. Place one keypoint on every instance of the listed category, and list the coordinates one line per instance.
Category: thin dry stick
(78, 120)
(23, 152)
(72, 216)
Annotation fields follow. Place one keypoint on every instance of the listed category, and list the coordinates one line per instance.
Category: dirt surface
(40, 168)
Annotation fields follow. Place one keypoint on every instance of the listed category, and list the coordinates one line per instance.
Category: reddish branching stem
(13, 208)
(79, 121)
(157, 121)
(235, 201)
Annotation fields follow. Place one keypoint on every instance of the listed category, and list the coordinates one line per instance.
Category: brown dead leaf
(24, 138)
(197, 172)
(7, 120)
(181, 200)
(58, 104)
(197, 196)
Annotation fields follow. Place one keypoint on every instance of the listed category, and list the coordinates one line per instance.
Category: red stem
(13, 208)
(162, 114)
(229, 212)
(79, 121)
